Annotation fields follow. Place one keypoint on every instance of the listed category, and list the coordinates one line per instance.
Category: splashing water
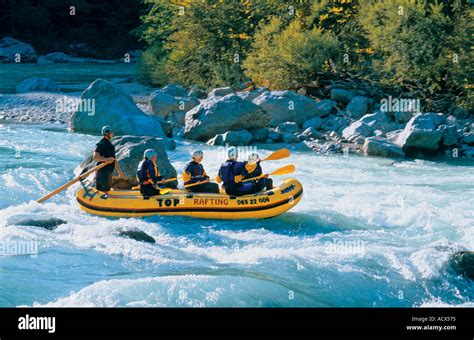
(368, 232)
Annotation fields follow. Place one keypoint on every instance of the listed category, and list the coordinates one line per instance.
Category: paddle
(68, 184)
(197, 183)
(169, 180)
(287, 169)
(279, 154)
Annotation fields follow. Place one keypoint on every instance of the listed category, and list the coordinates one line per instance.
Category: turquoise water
(368, 232)
(13, 74)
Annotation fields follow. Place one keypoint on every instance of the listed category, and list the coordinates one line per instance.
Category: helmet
(233, 153)
(253, 157)
(149, 153)
(197, 153)
(105, 129)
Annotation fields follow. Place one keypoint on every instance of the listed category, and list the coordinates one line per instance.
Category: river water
(368, 232)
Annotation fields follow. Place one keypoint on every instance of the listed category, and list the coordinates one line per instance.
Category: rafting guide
(105, 153)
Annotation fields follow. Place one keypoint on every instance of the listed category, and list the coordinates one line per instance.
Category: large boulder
(460, 113)
(251, 95)
(174, 90)
(377, 146)
(342, 95)
(163, 104)
(11, 48)
(468, 138)
(36, 84)
(260, 135)
(241, 137)
(221, 114)
(421, 134)
(106, 104)
(290, 138)
(379, 121)
(450, 134)
(357, 129)
(290, 106)
(463, 263)
(57, 57)
(129, 152)
(357, 107)
(335, 123)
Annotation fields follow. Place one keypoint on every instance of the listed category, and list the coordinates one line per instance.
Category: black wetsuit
(103, 177)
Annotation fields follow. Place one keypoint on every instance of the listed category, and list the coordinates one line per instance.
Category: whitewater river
(368, 232)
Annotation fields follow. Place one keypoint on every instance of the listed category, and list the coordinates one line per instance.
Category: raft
(130, 203)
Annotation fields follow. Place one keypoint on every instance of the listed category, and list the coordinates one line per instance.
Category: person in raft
(232, 172)
(148, 174)
(105, 152)
(265, 182)
(194, 172)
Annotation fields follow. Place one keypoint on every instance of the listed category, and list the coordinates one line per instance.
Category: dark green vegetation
(416, 48)
(99, 29)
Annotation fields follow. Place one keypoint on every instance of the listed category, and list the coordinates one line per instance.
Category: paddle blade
(279, 154)
(288, 169)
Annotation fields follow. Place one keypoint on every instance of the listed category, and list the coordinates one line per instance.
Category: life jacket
(227, 173)
(255, 173)
(143, 175)
(193, 172)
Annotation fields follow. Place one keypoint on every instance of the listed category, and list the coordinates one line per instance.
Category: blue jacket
(147, 172)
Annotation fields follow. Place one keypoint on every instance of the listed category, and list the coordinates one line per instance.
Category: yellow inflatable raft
(130, 203)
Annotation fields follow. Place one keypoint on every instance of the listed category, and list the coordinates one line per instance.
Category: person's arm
(151, 173)
(119, 170)
(98, 158)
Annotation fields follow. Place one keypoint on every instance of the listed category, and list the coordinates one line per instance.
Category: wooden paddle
(75, 180)
(287, 169)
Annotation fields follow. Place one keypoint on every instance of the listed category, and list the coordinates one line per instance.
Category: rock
(468, 138)
(468, 152)
(463, 264)
(290, 106)
(275, 136)
(377, 146)
(222, 114)
(420, 134)
(36, 84)
(220, 92)
(379, 121)
(342, 95)
(137, 235)
(356, 129)
(330, 148)
(129, 151)
(290, 138)
(403, 117)
(196, 92)
(259, 135)
(216, 140)
(57, 57)
(108, 105)
(312, 133)
(177, 118)
(251, 95)
(163, 104)
(450, 134)
(48, 224)
(460, 113)
(357, 107)
(290, 127)
(11, 48)
(174, 90)
(335, 123)
(241, 137)
(315, 123)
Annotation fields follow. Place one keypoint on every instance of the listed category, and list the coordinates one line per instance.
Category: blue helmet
(105, 129)
(233, 153)
(149, 153)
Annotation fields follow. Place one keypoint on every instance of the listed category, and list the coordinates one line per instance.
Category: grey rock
(11, 48)
(222, 114)
(275, 136)
(342, 95)
(468, 138)
(220, 92)
(116, 108)
(357, 107)
(251, 95)
(450, 134)
(36, 84)
(57, 57)
(174, 90)
(241, 137)
(290, 106)
(403, 117)
(260, 135)
(315, 123)
(421, 135)
(216, 140)
(291, 127)
(290, 138)
(377, 146)
(460, 113)
(356, 129)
